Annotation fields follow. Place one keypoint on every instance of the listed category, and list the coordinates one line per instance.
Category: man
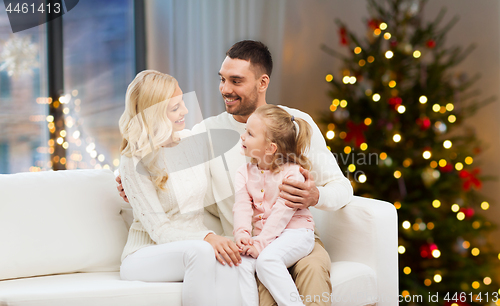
(244, 79)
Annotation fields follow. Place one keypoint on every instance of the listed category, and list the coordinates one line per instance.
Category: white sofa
(62, 234)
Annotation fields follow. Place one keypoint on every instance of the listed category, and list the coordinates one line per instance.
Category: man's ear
(271, 148)
(264, 82)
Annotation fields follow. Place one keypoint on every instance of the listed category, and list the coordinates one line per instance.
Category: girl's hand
(250, 250)
(240, 242)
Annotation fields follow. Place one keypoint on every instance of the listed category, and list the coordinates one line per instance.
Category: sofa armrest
(364, 231)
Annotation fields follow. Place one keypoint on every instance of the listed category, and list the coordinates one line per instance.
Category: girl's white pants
(272, 268)
(205, 281)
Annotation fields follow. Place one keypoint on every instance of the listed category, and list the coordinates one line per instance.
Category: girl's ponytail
(303, 140)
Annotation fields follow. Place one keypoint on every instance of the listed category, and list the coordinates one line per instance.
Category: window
(99, 63)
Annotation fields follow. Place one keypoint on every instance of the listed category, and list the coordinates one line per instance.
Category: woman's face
(177, 110)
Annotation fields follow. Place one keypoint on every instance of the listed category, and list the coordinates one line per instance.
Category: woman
(166, 241)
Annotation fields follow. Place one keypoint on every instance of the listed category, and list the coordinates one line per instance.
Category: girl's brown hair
(291, 135)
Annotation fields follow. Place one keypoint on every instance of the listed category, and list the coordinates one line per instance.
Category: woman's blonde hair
(144, 125)
(291, 135)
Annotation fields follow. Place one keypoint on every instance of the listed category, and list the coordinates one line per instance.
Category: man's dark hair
(254, 51)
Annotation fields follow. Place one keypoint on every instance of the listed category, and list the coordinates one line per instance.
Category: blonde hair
(144, 125)
(291, 135)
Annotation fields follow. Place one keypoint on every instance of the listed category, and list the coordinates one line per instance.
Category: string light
(392, 84)
(438, 278)
(436, 253)
(361, 62)
(436, 203)
(343, 103)
(387, 36)
(397, 174)
(401, 109)
(376, 97)
(370, 59)
(487, 280)
(426, 154)
(389, 54)
(363, 146)
(351, 168)
(468, 160)
(407, 270)
(475, 284)
(459, 166)
(397, 204)
(455, 208)
(330, 134)
(422, 99)
(383, 26)
(401, 249)
(416, 54)
(460, 216)
(335, 102)
(475, 251)
(427, 282)
(452, 118)
(362, 178)
(357, 50)
(383, 156)
(466, 244)
(449, 107)
(396, 138)
(485, 205)
(329, 78)
(447, 144)
(406, 225)
(436, 108)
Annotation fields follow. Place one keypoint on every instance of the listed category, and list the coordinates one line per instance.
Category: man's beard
(243, 108)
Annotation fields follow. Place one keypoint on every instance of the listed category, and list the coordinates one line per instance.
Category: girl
(277, 143)
(166, 239)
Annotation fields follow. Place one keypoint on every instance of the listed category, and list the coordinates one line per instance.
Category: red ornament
(447, 168)
(343, 36)
(373, 24)
(470, 179)
(424, 123)
(356, 133)
(426, 250)
(395, 102)
(468, 212)
(431, 43)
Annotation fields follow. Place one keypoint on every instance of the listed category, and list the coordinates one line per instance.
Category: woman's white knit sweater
(172, 215)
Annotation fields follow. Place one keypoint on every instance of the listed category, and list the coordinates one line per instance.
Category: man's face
(238, 86)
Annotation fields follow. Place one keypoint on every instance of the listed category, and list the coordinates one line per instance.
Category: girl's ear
(271, 148)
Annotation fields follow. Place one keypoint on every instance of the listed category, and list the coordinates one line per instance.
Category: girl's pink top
(257, 203)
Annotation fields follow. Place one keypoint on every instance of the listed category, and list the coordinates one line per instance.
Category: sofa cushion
(353, 284)
(84, 289)
(60, 222)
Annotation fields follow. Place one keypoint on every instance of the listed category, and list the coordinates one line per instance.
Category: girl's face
(254, 141)
(177, 110)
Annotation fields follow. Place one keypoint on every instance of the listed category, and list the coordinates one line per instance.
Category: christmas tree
(397, 111)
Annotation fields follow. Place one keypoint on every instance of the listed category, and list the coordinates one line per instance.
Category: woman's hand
(226, 251)
(120, 188)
